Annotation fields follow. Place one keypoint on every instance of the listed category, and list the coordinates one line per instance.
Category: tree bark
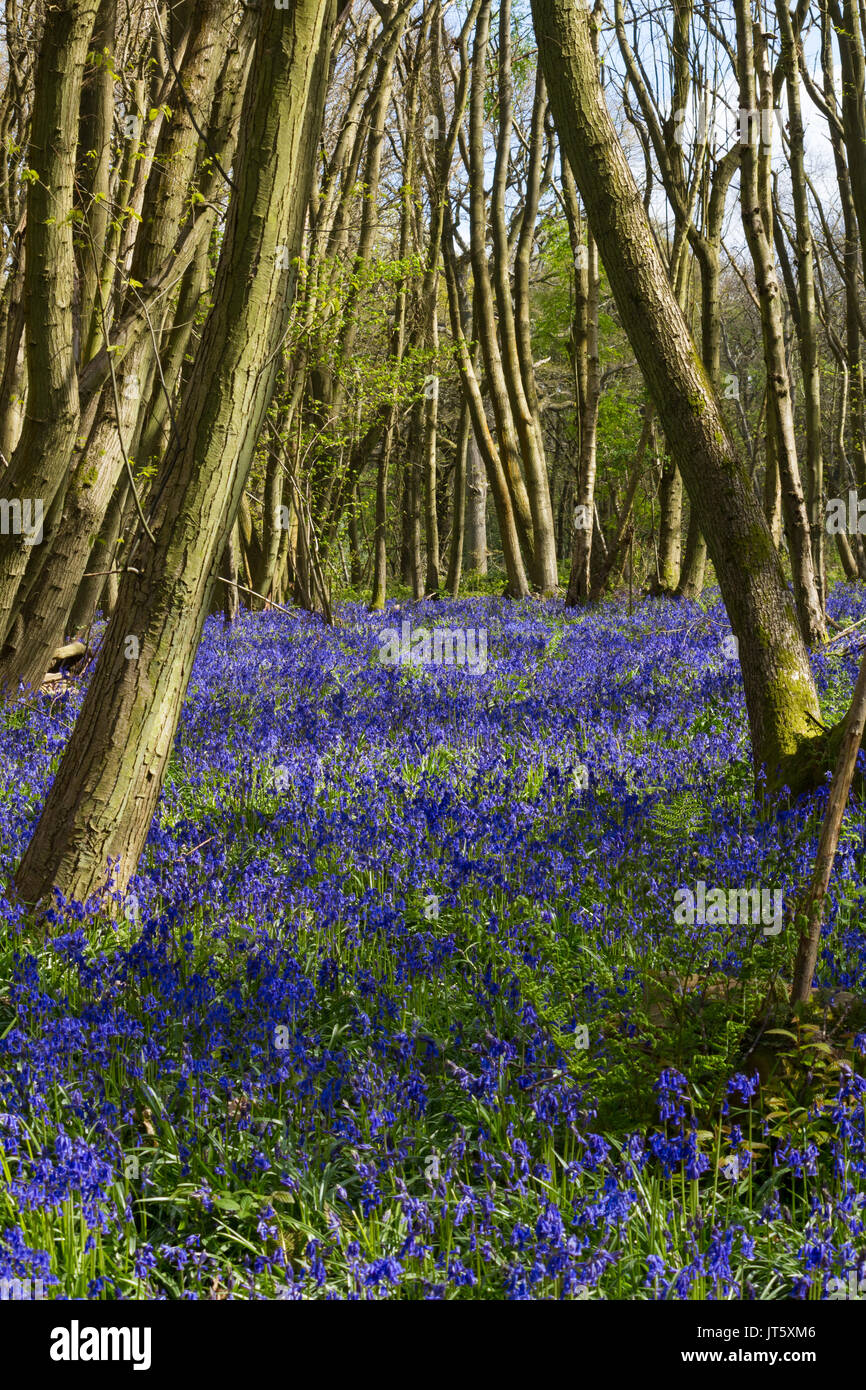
(103, 797)
(38, 465)
(757, 213)
(811, 914)
(475, 540)
(808, 315)
(458, 498)
(485, 317)
(587, 390)
(516, 355)
(124, 407)
(780, 693)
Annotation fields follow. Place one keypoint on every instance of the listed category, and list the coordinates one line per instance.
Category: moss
(760, 544)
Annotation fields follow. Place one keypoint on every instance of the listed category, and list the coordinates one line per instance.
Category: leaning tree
(104, 795)
(781, 698)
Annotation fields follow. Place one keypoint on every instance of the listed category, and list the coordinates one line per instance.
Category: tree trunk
(475, 540)
(356, 569)
(230, 596)
(458, 498)
(808, 316)
(103, 797)
(485, 318)
(780, 692)
(587, 391)
(94, 172)
(433, 578)
(271, 530)
(694, 561)
(39, 463)
(379, 589)
(670, 528)
(810, 916)
(516, 354)
(101, 561)
(509, 529)
(757, 213)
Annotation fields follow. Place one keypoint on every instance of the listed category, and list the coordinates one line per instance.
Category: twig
(99, 574)
(844, 631)
(185, 852)
(255, 594)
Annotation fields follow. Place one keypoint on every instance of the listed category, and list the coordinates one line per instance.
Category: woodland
(432, 650)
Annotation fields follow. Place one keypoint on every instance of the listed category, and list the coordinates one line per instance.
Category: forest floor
(404, 1001)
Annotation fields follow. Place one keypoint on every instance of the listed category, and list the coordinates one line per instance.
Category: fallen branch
(271, 603)
(72, 651)
(843, 632)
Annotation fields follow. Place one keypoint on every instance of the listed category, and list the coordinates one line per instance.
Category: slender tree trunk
(516, 355)
(380, 531)
(230, 596)
(757, 213)
(414, 450)
(808, 316)
(272, 502)
(670, 528)
(694, 561)
(433, 578)
(485, 317)
(475, 542)
(772, 484)
(847, 558)
(811, 914)
(405, 519)
(13, 383)
(509, 531)
(458, 499)
(397, 348)
(847, 22)
(94, 171)
(587, 383)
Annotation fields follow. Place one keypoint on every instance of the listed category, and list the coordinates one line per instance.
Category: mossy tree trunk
(670, 529)
(103, 797)
(38, 465)
(780, 692)
(45, 599)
